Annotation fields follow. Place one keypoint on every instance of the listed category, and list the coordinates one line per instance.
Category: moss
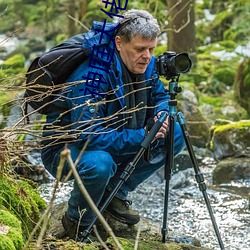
(6, 243)
(214, 101)
(16, 61)
(22, 200)
(128, 244)
(220, 131)
(9, 219)
(225, 75)
(16, 237)
(236, 125)
(13, 239)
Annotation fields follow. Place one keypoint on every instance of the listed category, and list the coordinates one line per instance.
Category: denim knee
(97, 165)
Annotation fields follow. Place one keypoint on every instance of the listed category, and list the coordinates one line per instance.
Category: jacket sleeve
(88, 121)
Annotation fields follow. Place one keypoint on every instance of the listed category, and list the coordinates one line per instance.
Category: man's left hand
(164, 128)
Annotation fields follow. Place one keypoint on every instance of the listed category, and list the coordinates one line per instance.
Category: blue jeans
(100, 170)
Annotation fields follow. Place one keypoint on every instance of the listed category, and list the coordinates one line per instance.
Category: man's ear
(118, 42)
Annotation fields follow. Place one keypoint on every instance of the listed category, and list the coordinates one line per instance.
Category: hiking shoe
(121, 211)
(75, 231)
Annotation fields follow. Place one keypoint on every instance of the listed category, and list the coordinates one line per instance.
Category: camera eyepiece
(170, 64)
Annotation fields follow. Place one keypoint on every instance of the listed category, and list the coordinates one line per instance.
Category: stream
(187, 212)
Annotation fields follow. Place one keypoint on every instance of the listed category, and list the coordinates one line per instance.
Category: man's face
(137, 53)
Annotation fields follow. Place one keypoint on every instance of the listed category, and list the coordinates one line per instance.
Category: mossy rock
(219, 107)
(21, 199)
(128, 244)
(11, 237)
(232, 139)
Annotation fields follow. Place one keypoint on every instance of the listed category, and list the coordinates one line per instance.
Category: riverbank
(188, 216)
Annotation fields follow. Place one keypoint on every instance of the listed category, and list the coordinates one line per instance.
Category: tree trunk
(72, 13)
(181, 27)
(83, 8)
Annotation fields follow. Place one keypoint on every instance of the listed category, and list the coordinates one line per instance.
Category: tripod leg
(129, 168)
(168, 173)
(199, 177)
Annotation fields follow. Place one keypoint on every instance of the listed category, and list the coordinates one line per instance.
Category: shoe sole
(121, 219)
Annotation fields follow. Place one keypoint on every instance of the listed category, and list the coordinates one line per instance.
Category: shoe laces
(127, 203)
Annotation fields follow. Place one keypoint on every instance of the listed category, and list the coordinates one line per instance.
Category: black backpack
(48, 73)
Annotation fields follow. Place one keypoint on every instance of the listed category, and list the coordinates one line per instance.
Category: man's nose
(146, 54)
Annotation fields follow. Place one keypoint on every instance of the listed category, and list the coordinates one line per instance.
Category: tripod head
(174, 89)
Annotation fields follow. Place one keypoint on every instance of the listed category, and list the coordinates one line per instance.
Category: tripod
(169, 163)
(173, 90)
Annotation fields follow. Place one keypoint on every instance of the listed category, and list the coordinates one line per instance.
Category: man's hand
(164, 128)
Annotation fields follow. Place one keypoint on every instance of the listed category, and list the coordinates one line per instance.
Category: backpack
(47, 73)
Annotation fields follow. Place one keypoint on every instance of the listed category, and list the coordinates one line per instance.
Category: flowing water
(187, 212)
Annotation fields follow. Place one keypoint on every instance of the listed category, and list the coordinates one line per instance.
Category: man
(110, 121)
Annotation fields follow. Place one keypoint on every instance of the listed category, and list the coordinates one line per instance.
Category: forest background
(216, 35)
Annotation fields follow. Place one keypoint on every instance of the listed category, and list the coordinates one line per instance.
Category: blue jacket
(99, 118)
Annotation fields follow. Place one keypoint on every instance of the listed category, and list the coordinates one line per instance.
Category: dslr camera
(171, 65)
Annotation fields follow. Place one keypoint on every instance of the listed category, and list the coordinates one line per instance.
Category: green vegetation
(22, 201)
(11, 237)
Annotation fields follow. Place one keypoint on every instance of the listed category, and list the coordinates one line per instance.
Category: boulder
(150, 235)
(230, 140)
(231, 169)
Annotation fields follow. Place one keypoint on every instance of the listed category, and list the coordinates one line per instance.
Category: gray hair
(138, 22)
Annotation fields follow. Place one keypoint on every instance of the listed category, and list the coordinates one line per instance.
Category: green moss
(212, 100)
(16, 61)
(225, 75)
(236, 125)
(9, 219)
(16, 237)
(22, 200)
(13, 239)
(239, 128)
(6, 243)
(128, 244)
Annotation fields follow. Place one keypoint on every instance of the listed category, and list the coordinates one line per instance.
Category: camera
(171, 65)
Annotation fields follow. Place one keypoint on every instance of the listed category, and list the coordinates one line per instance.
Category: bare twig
(46, 216)
(138, 236)
(66, 154)
(99, 238)
(77, 21)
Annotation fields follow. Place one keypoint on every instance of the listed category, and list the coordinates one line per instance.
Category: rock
(181, 179)
(231, 169)
(197, 125)
(149, 238)
(232, 139)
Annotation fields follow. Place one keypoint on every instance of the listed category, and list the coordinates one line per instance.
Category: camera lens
(182, 63)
